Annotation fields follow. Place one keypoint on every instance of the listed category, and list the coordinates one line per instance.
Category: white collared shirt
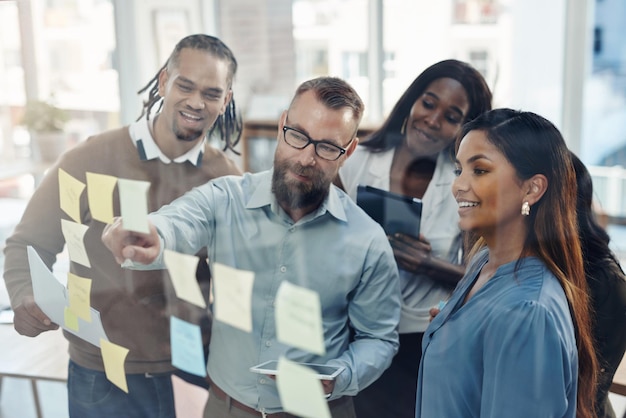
(439, 226)
(149, 150)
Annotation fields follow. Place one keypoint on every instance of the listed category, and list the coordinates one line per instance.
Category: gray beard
(297, 196)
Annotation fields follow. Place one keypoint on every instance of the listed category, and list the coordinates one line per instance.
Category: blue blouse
(510, 351)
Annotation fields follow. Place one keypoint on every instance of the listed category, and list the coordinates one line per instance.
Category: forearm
(374, 314)
(40, 228)
(365, 361)
(443, 271)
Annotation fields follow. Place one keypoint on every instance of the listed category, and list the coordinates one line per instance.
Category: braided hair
(229, 125)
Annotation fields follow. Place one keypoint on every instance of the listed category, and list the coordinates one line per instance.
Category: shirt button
(283, 269)
(263, 381)
(268, 343)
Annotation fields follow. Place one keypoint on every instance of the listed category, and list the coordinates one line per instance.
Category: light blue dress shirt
(510, 351)
(337, 251)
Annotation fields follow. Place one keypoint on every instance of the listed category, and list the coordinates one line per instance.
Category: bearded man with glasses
(288, 224)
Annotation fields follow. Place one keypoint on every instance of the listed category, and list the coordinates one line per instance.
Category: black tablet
(394, 212)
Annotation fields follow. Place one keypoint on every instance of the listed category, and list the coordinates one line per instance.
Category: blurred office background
(564, 59)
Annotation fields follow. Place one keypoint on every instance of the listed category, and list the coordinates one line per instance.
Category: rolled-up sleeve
(374, 313)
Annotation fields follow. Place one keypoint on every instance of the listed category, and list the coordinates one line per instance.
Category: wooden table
(44, 357)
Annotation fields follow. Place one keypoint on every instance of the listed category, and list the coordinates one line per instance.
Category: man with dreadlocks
(190, 99)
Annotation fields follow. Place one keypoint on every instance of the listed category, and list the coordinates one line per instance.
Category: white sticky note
(134, 204)
(233, 296)
(301, 392)
(74, 234)
(299, 318)
(182, 269)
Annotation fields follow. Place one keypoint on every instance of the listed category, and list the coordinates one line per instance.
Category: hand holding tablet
(394, 212)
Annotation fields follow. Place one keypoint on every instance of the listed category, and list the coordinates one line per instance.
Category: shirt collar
(263, 196)
(149, 150)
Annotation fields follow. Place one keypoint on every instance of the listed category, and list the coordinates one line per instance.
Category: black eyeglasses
(323, 149)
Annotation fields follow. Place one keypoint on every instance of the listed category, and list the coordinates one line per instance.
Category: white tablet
(323, 371)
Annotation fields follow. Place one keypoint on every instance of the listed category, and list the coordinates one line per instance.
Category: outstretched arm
(130, 245)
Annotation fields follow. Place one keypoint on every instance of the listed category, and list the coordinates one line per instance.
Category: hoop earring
(525, 209)
(403, 128)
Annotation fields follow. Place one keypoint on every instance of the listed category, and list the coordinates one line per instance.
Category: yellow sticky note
(182, 269)
(233, 296)
(74, 233)
(114, 356)
(299, 318)
(70, 190)
(70, 319)
(100, 196)
(79, 291)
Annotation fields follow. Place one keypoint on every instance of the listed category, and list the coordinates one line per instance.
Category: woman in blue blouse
(514, 339)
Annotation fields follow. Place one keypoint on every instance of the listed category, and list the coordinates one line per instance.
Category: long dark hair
(229, 125)
(593, 238)
(389, 135)
(533, 145)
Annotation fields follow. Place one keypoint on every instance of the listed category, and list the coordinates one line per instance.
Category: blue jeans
(92, 395)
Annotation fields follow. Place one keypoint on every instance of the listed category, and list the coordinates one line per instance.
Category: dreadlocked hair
(228, 126)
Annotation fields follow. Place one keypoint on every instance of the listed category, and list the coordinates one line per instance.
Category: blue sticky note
(187, 352)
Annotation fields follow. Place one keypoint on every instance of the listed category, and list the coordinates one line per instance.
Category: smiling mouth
(190, 117)
(467, 204)
(425, 135)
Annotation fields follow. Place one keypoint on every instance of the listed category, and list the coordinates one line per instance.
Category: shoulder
(531, 294)
(444, 170)
(107, 138)
(355, 162)
(366, 167)
(363, 155)
(237, 184)
(607, 286)
(101, 149)
(218, 162)
(361, 225)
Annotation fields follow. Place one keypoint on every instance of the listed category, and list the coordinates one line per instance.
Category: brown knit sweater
(135, 306)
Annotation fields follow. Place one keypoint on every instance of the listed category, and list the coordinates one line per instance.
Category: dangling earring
(403, 128)
(525, 209)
